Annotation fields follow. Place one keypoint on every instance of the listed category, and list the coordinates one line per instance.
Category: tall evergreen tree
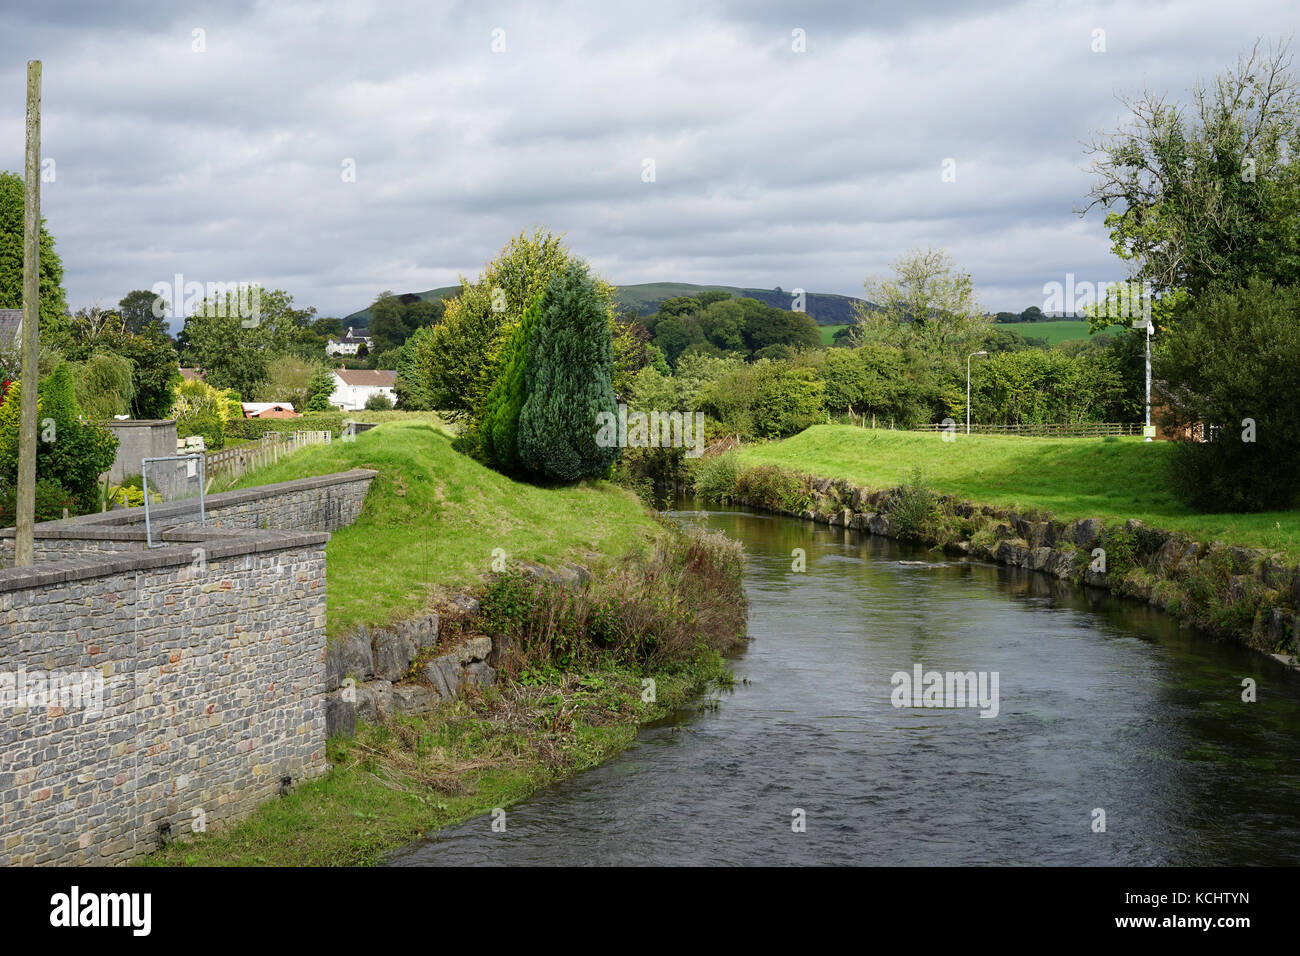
(569, 381)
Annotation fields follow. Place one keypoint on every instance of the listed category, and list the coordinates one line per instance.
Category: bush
(768, 486)
(250, 429)
(914, 511)
(499, 430)
(569, 382)
(379, 402)
(209, 426)
(1233, 360)
(715, 477)
(51, 499)
(666, 608)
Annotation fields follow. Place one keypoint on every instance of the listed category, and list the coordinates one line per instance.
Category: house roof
(253, 409)
(367, 378)
(354, 337)
(10, 319)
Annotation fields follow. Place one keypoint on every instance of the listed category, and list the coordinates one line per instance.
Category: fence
(230, 464)
(1046, 430)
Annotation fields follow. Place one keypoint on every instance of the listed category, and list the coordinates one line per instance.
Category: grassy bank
(394, 783)
(433, 518)
(1070, 477)
(571, 691)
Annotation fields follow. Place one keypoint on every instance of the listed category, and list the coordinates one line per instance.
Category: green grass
(396, 782)
(828, 333)
(1056, 331)
(1071, 477)
(434, 516)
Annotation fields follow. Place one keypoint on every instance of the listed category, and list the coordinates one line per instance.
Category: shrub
(569, 380)
(914, 510)
(254, 428)
(499, 431)
(667, 608)
(768, 486)
(1234, 358)
(51, 499)
(379, 402)
(715, 477)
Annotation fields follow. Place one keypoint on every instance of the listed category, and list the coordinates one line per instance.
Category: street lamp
(1146, 423)
(968, 358)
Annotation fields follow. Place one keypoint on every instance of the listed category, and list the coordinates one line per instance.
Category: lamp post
(1146, 421)
(968, 358)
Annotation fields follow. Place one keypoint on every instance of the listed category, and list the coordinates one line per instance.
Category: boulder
(466, 604)
(444, 675)
(1012, 552)
(1038, 559)
(414, 699)
(421, 631)
(340, 715)
(374, 701)
(393, 653)
(480, 674)
(858, 522)
(1087, 532)
(475, 649)
(348, 656)
(502, 646)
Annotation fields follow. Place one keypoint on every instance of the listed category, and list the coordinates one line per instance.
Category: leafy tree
(103, 385)
(671, 338)
(154, 373)
(569, 381)
(388, 322)
(319, 389)
(53, 304)
(788, 400)
(926, 303)
(1207, 194)
(69, 452)
(379, 402)
(1234, 370)
(136, 310)
(499, 431)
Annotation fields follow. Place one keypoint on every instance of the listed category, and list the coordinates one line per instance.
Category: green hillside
(1055, 331)
(826, 308)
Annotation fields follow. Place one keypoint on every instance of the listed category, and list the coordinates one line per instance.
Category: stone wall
(196, 669)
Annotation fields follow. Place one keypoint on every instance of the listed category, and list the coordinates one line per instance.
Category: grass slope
(1071, 477)
(1056, 331)
(434, 516)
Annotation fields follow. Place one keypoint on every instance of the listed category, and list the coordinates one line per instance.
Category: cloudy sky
(336, 149)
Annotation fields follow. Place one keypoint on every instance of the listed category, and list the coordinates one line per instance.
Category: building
(268, 410)
(349, 344)
(354, 386)
(10, 320)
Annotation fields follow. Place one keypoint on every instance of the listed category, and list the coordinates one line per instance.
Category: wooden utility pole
(26, 510)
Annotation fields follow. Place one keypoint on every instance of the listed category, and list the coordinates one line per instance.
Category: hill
(826, 308)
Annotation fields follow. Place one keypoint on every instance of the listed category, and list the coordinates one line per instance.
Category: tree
(53, 304)
(379, 402)
(1234, 370)
(1211, 193)
(499, 430)
(230, 354)
(387, 322)
(926, 303)
(136, 310)
(319, 390)
(69, 452)
(569, 381)
(152, 359)
(454, 364)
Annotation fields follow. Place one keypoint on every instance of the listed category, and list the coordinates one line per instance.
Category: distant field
(1071, 477)
(1055, 332)
(828, 332)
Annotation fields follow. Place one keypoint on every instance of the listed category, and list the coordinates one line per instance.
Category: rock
(834, 519)
(502, 646)
(878, 523)
(421, 632)
(958, 547)
(443, 674)
(1243, 559)
(1171, 555)
(393, 653)
(858, 522)
(1096, 579)
(1012, 552)
(340, 715)
(1086, 533)
(475, 649)
(583, 575)
(414, 699)
(480, 674)
(374, 701)
(354, 657)
(1038, 559)
(1278, 576)
(859, 500)
(809, 515)
(1024, 527)
(334, 668)
(465, 604)
(1061, 564)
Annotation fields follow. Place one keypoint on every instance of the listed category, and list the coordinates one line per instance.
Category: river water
(1103, 705)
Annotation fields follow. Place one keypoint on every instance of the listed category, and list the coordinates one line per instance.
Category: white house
(349, 344)
(352, 386)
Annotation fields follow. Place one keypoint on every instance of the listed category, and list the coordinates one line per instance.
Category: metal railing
(1047, 430)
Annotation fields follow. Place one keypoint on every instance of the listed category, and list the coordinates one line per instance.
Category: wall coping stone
(106, 525)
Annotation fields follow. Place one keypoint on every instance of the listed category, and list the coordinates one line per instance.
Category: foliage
(253, 428)
(569, 376)
(53, 303)
(714, 477)
(379, 402)
(1235, 359)
(103, 385)
(319, 389)
(69, 451)
(913, 509)
(499, 430)
(926, 303)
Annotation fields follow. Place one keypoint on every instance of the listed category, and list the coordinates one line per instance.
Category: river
(1103, 705)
